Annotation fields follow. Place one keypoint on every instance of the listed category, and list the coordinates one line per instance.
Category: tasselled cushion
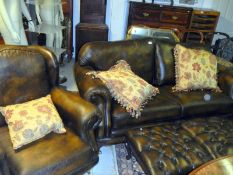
(131, 91)
(32, 120)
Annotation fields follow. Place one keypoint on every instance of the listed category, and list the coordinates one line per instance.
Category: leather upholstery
(82, 118)
(164, 107)
(200, 102)
(102, 55)
(226, 81)
(4, 170)
(17, 77)
(158, 109)
(96, 92)
(165, 64)
(51, 63)
(31, 72)
(54, 154)
(179, 147)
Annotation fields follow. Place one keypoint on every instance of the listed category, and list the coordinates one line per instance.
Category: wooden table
(220, 166)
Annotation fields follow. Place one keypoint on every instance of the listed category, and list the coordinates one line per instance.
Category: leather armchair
(154, 62)
(30, 72)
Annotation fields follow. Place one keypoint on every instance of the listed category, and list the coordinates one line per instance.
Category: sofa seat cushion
(54, 154)
(200, 102)
(158, 109)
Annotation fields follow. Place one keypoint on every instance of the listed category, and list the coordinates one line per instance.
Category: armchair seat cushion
(60, 154)
(201, 102)
(159, 108)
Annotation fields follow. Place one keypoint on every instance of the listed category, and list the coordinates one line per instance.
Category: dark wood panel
(175, 17)
(182, 19)
(67, 7)
(92, 11)
(159, 16)
(205, 21)
(86, 32)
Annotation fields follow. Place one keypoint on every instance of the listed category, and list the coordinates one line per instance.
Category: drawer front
(181, 18)
(146, 15)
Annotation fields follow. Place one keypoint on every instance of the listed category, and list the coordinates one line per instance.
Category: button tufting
(174, 160)
(161, 165)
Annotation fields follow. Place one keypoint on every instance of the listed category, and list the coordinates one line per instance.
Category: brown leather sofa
(154, 62)
(27, 73)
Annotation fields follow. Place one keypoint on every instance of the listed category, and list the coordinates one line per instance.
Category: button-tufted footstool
(180, 147)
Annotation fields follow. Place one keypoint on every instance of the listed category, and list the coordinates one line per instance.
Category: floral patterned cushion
(131, 91)
(195, 69)
(32, 120)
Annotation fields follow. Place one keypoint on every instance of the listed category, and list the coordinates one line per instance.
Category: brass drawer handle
(146, 14)
(174, 17)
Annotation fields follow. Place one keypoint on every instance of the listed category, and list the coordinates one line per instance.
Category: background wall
(117, 15)
(225, 23)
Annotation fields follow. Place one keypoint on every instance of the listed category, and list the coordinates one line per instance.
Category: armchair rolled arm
(226, 81)
(95, 91)
(81, 115)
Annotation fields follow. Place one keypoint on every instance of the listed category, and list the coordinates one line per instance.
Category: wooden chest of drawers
(159, 16)
(205, 21)
(186, 20)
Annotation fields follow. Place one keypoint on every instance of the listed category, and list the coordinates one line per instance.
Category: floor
(107, 154)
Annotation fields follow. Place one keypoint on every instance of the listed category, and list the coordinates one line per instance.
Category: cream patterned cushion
(32, 120)
(131, 91)
(195, 69)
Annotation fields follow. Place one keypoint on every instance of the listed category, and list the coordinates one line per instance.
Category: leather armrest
(81, 115)
(87, 85)
(3, 163)
(225, 80)
(95, 91)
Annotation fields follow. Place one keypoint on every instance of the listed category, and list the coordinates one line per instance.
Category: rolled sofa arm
(226, 81)
(81, 115)
(96, 92)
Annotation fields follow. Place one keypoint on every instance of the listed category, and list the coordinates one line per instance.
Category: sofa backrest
(165, 61)
(26, 73)
(138, 53)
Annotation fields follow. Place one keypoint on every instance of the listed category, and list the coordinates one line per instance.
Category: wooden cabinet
(204, 21)
(92, 25)
(87, 32)
(92, 11)
(188, 21)
(159, 16)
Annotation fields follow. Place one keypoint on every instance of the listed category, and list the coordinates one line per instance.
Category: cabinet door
(93, 11)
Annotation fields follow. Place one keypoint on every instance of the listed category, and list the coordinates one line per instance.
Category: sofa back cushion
(165, 61)
(23, 76)
(139, 54)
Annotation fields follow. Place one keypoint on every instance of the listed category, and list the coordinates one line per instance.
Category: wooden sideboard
(188, 21)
